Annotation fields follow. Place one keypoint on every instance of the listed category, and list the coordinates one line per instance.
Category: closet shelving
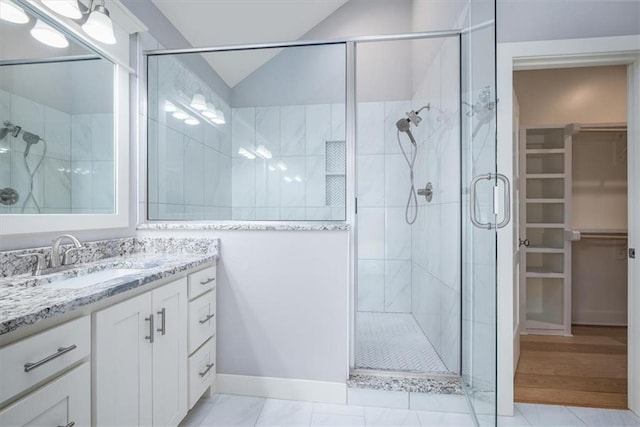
(546, 190)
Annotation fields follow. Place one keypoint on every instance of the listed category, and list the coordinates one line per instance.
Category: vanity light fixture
(68, 8)
(180, 115)
(263, 152)
(192, 121)
(99, 25)
(95, 19)
(198, 102)
(169, 107)
(219, 119)
(46, 34)
(209, 114)
(246, 153)
(12, 13)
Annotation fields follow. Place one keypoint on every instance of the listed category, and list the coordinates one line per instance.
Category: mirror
(57, 145)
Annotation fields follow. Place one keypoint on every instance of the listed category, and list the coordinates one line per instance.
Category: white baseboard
(282, 388)
(600, 318)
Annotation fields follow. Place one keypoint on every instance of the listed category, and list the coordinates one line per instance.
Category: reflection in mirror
(269, 145)
(56, 121)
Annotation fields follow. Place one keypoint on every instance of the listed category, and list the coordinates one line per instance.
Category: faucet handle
(65, 256)
(41, 263)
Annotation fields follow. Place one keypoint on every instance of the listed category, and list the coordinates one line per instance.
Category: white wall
(599, 181)
(523, 20)
(282, 303)
(572, 95)
(297, 137)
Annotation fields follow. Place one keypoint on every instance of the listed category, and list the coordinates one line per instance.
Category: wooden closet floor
(588, 369)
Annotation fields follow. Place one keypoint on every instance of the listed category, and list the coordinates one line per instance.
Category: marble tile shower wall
(189, 165)
(384, 238)
(436, 236)
(77, 172)
(291, 185)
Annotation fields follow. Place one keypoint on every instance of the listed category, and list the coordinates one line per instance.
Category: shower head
(404, 125)
(30, 139)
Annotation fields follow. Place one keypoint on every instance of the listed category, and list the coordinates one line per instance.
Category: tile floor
(394, 342)
(227, 410)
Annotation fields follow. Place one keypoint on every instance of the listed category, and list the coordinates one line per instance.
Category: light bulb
(263, 152)
(68, 8)
(246, 153)
(286, 178)
(198, 102)
(99, 25)
(180, 115)
(219, 119)
(48, 35)
(11, 13)
(192, 121)
(169, 107)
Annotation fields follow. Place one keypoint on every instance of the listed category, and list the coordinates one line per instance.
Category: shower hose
(410, 215)
(31, 175)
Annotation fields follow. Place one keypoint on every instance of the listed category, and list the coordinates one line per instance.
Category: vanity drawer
(202, 281)
(61, 402)
(202, 320)
(27, 362)
(202, 371)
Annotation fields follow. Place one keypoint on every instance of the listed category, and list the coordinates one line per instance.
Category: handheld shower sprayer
(30, 139)
(404, 125)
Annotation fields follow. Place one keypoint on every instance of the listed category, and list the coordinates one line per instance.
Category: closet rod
(603, 130)
(604, 236)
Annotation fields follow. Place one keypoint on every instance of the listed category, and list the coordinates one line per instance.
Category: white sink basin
(90, 279)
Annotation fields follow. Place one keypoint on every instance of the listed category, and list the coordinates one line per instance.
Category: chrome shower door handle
(472, 202)
(507, 200)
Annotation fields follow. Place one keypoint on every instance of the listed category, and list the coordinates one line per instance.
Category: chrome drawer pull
(71, 424)
(61, 350)
(206, 371)
(163, 326)
(150, 336)
(206, 319)
(209, 280)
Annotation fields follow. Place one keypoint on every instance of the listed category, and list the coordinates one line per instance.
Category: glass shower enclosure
(326, 131)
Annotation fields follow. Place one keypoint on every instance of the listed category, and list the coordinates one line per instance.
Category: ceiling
(224, 22)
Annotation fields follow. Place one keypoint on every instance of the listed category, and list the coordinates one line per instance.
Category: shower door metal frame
(350, 131)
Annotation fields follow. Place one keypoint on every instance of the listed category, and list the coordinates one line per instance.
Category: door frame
(566, 53)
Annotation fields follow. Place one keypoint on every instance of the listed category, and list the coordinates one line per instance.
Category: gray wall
(169, 37)
(296, 76)
(525, 20)
(391, 60)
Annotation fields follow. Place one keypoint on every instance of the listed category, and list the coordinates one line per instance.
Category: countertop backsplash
(11, 264)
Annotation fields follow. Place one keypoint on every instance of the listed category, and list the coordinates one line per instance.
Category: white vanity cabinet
(202, 333)
(141, 359)
(58, 359)
(66, 402)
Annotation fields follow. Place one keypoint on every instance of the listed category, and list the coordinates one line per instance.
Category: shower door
(479, 222)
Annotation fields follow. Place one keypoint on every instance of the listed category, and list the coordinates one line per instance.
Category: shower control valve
(427, 192)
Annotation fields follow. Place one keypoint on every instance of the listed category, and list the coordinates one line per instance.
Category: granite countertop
(26, 299)
(244, 226)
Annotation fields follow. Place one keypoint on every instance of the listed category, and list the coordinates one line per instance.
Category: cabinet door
(170, 354)
(63, 401)
(122, 361)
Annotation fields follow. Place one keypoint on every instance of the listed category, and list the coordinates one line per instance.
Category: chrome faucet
(56, 260)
